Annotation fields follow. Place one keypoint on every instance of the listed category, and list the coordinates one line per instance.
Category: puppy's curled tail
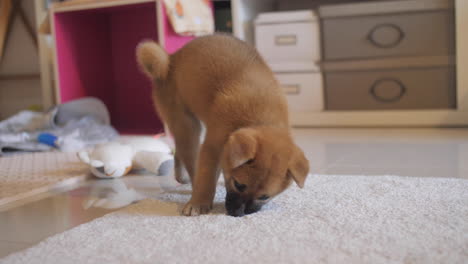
(153, 60)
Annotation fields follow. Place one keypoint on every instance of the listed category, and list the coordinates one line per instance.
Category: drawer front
(411, 34)
(288, 42)
(304, 91)
(432, 88)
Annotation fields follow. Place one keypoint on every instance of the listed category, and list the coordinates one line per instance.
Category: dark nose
(252, 207)
(234, 204)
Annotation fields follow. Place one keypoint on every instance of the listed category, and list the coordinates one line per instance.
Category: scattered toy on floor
(115, 159)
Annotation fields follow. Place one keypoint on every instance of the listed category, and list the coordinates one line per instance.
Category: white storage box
(303, 91)
(289, 41)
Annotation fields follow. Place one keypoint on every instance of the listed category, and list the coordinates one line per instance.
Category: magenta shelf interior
(96, 57)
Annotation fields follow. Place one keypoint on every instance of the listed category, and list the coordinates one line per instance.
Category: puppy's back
(222, 74)
(223, 53)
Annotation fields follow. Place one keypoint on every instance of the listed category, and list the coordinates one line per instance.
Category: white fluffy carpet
(335, 219)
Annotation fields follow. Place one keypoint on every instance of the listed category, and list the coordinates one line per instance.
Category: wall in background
(20, 58)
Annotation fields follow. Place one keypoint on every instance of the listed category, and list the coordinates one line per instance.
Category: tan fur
(153, 59)
(223, 83)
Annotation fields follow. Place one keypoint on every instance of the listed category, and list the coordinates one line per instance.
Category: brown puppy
(223, 83)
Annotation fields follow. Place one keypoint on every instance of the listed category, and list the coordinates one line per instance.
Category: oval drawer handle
(387, 83)
(391, 29)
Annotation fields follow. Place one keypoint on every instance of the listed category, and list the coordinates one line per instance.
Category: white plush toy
(116, 159)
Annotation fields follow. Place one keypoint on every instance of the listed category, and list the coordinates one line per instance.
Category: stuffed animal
(115, 159)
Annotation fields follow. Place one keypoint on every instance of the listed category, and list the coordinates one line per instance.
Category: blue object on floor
(48, 139)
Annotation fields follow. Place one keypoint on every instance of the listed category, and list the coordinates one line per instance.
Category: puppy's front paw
(194, 209)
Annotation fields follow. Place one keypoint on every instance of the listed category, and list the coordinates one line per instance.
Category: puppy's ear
(240, 148)
(298, 167)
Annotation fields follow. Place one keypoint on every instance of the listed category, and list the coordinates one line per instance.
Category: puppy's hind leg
(186, 130)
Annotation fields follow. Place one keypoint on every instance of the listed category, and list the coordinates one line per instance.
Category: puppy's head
(258, 164)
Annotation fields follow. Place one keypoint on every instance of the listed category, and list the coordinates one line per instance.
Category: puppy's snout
(234, 204)
(237, 212)
(252, 207)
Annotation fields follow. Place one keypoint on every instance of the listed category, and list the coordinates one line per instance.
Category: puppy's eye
(239, 186)
(249, 162)
(263, 197)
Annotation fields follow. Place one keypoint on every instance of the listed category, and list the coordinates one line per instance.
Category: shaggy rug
(334, 219)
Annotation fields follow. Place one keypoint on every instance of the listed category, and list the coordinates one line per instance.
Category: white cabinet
(288, 37)
(303, 91)
(290, 43)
